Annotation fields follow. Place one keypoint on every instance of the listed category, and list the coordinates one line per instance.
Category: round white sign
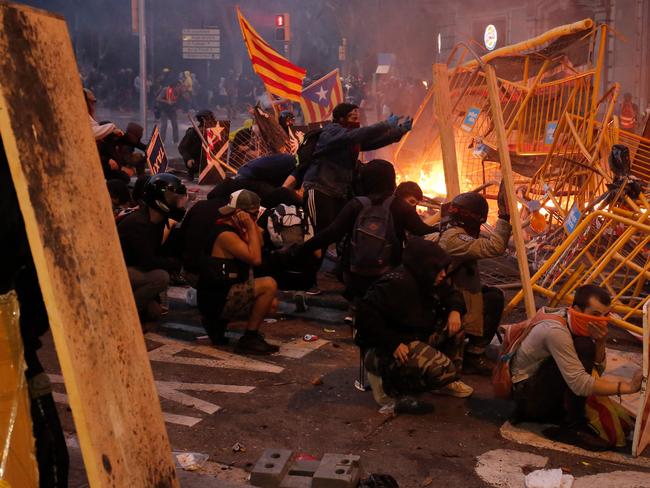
(490, 37)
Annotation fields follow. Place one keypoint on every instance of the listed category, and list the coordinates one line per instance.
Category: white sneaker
(456, 389)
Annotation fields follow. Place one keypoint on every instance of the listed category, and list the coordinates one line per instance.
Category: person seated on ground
(460, 237)
(191, 146)
(409, 325)
(378, 184)
(120, 199)
(551, 369)
(227, 288)
(141, 236)
(410, 192)
(100, 131)
(126, 146)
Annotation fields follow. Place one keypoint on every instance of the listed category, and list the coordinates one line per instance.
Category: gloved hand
(393, 120)
(407, 125)
(502, 202)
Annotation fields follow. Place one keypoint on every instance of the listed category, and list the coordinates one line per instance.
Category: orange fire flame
(430, 176)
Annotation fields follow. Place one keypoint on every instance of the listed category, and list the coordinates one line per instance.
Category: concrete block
(337, 471)
(271, 468)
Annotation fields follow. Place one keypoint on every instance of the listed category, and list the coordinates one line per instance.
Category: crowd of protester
(420, 314)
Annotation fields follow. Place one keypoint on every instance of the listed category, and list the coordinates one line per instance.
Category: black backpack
(305, 152)
(373, 238)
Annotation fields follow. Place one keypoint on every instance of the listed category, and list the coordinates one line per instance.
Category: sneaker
(580, 436)
(456, 389)
(478, 365)
(300, 301)
(254, 344)
(313, 291)
(412, 406)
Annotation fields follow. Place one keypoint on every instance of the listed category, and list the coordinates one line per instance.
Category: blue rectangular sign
(470, 119)
(571, 221)
(550, 132)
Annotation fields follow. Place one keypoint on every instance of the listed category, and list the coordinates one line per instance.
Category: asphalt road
(285, 409)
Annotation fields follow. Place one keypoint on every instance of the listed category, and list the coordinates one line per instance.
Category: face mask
(579, 322)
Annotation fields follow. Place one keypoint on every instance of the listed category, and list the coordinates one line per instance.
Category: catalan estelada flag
(280, 76)
(320, 98)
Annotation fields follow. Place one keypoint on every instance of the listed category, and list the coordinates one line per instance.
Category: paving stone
(337, 471)
(271, 468)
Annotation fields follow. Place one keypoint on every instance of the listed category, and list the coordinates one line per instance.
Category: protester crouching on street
(126, 149)
(410, 192)
(551, 369)
(460, 238)
(410, 325)
(227, 288)
(141, 236)
(377, 183)
(191, 146)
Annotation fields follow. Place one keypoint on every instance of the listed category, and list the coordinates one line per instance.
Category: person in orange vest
(167, 102)
(629, 113)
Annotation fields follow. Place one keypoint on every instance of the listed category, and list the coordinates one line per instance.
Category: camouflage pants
(427, 368)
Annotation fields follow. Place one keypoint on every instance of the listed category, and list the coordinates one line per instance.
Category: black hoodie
(405, 305)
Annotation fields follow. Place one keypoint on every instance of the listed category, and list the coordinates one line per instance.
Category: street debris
(191, 461)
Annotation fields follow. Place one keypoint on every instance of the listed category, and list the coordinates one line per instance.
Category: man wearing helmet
(141, 236)
(460, 237)
(191, 148)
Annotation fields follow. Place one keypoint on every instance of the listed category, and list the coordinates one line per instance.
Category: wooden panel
(642, 426)
(509, 182)
(442, 105)
(64, 201)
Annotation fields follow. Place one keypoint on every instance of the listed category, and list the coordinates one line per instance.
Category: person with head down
(409, 324)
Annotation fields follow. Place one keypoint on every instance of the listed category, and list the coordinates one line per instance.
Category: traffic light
(282, 31)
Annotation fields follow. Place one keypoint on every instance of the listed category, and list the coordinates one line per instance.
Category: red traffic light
(279, 20)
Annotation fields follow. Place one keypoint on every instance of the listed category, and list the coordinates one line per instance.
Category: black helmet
(203, 115)
(619, 160)
(284, 116)
(165, 193)
(469, 210)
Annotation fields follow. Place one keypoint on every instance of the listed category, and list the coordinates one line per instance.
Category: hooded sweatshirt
(405, 305)
(336, 154)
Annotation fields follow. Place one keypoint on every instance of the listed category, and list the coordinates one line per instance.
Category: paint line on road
(185, 420)
(215, 388)
(530, 435)
(167, 353)
(187, 400)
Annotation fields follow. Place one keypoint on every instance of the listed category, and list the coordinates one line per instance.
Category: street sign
(571, 221)
(470, 119)
(201, 43)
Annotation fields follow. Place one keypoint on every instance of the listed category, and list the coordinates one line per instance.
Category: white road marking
(298, 348)
(170, 391)
(502, 468)
(169, 417)
(185, 420)
(530, 435)
(167, 353)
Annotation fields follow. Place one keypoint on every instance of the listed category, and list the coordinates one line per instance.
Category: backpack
(373, 237)
(305, 152)
(287, 225)
(513, 336)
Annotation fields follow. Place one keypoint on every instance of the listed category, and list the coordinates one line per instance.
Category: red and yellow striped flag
(280, 76)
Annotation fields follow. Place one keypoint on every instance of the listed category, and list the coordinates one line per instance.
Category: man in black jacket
(329, 180)
(141, 236)
(409, 323)
(191, 147)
